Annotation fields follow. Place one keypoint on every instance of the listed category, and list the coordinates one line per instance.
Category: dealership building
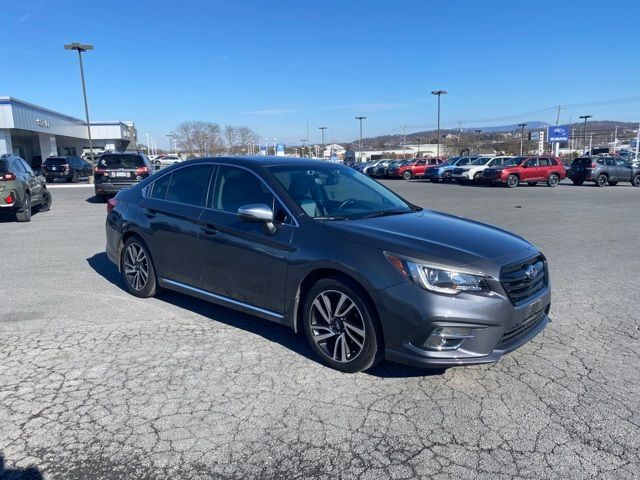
(31, 131)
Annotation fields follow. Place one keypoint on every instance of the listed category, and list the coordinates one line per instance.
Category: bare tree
(198, 138)
(246, 137)
(231, 137)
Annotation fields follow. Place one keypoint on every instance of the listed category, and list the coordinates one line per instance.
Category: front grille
(521, 328)
(519, 285)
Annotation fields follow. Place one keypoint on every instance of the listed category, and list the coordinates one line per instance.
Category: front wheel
(24, 214)
(45, 206)
(407, 175)
(446, 176)
(341, 326)
(636, 181)
(137, 269)
(553, 180)
(512, 181)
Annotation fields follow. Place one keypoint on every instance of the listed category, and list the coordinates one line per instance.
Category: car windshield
(334, 192)
(121, 161)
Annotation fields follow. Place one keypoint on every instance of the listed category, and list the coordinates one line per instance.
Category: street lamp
(323, 130)
(418, 154)
(478, 130)
(521, 125)
(303, 147)
(360, 118)
(80, 47)
(584, 133)
(175, 143)
(439, 93)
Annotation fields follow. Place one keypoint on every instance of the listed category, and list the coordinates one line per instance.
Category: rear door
(32, 180)
(169, 217)
(624, 172)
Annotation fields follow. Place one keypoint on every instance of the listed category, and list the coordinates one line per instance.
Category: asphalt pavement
(97, 384)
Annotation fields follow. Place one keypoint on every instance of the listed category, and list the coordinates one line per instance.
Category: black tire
(602, 180)
(75, 178)
(613, 183)
(158, 165)
(477, 177)
(578, 182)
(553, 180)
(49, 180)
(532, 184)
(45, 206)
(636, 181)
(24, 214)
(512, 181)
(138, 272)
(342, 333)
(407, 175)
(446, 176)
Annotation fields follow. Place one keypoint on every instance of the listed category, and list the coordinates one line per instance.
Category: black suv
(71, 169)
(604, 170)
(118, 171)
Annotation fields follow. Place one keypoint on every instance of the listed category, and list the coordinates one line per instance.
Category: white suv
(165, 161)
(473, 171)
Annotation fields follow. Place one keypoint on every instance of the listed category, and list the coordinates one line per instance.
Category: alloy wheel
(337, 326)
(136, 266)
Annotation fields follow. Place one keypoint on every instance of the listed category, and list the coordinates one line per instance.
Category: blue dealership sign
(558, 134)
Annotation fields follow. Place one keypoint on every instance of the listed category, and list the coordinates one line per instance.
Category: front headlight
(438, 279)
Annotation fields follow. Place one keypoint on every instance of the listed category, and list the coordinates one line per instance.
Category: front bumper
(410, 315)
(52, 175)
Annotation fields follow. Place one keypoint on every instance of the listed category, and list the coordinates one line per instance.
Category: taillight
(111, 204)
(9, 199)
(7, 177)
(100, 171)
(593, 165)
(141, 170)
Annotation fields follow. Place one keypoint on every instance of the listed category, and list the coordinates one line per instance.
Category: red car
(417, 168)
(527, 169)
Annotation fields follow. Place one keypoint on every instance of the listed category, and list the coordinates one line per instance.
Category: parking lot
(99, 384)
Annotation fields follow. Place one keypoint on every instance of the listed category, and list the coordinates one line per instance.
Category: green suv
(21, 189)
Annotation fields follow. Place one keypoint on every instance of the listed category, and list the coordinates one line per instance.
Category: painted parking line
(72, 185)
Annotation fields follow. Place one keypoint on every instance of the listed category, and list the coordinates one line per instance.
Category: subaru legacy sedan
(327, 251)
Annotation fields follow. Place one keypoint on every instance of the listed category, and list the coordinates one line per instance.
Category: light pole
(439, 93)
(303, 147)
(172, 138)
(148, 146)
(590, 142)
(584, 133)
(360, 118)
(478, 140)
(521, 125)
(323, 130)
(418, 154)
(79, 47)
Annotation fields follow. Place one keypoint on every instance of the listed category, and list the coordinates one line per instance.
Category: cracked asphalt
(96, 384)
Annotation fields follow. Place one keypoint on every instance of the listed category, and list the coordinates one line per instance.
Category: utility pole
(458, 139)
(404, 142)
(439, 93)
(521, 125)
(615, 140)
(637, 142)
(418, 154)
(478, 140)
(323, 146)
(80, 48)
(584, 133)
(303, 147)
(590, 142)
(360, 118)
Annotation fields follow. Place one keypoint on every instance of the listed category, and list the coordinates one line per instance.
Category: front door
(530, 170)
(169, 218)
(242, 260)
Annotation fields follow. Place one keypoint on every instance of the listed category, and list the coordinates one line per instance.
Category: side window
(600, 161)
(533, 162)
(463, 162)
(189, 185)
(19, 166)
(236, 187)
(610, 162)
(421, 162)
(160, 187)
(544, 162)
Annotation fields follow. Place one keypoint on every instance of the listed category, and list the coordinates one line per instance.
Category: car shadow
(271, 331)
(28, 473)
(93, 199)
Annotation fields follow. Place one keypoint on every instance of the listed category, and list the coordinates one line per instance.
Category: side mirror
(258, 213)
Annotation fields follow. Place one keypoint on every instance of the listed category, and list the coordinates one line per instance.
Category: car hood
(438, 238)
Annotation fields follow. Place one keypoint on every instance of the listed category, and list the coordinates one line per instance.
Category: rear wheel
(24, 214)
(553, 180)
(512, 181)
(137, 269)
(76, 177)
(636, 181)
(407, 175)
(602, 180)
(341, 326)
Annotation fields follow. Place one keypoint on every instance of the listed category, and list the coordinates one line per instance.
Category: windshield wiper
(386, 213)
(332, 218)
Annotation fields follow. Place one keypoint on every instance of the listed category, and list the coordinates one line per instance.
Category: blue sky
(274, 65)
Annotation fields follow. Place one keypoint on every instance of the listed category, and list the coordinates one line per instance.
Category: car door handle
(149, 213)
(208, 229)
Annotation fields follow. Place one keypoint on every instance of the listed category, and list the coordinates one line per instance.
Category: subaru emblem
(532, 272)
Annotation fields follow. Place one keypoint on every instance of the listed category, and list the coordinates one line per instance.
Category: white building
(31, 131)
(333, 150)
(411, 151)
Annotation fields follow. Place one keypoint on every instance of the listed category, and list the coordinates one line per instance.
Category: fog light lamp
(447, 338)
